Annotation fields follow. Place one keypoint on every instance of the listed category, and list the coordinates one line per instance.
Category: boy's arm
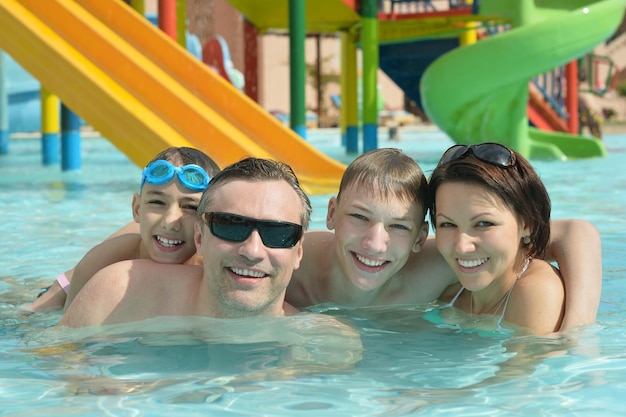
(132, 227)
(55, 296)
(575, 245)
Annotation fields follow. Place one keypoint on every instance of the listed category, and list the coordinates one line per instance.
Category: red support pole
(167, 17)
(251, 63)
(571, 75)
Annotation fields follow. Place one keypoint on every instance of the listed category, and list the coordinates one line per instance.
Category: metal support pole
(297, 22)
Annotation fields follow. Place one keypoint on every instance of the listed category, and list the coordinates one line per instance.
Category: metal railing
(424, 6)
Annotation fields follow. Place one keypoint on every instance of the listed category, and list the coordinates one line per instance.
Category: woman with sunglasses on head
(491, 214)
(164, 213)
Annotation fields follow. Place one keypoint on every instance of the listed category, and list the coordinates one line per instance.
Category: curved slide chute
(479, 92)
(143, 92)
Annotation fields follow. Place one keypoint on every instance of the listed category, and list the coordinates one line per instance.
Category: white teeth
(471, 263)
(369, 262)
(247, 273)
(167, 242)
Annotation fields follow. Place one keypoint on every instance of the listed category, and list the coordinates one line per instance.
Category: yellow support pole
(50, 121)
(470, 36)
(181, 23)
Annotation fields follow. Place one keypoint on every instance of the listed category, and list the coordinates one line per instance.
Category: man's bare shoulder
(144, 276)
(127, 291)
(307, 280)
(428, 260)
(317, 246)
(138, 271)
(99, 297)
(317, 241)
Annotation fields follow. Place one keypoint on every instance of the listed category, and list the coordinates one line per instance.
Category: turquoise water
(407, 368)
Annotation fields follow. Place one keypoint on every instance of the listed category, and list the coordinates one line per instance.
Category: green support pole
(369, 46)
(349, 99)
(297, 69)
(139, 6)
(344, 37)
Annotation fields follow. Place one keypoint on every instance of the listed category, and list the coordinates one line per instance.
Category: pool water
(408, 367)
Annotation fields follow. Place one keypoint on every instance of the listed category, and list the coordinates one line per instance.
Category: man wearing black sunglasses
(252, 219)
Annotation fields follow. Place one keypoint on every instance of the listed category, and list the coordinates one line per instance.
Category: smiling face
(479, 236)
(248, 278)
(374, 236)
(166, 215)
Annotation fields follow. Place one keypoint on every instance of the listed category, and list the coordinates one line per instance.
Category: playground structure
(415, 36)
(143, 92)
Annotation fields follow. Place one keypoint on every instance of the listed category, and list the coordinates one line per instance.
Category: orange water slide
(542, 115)
(143, 92)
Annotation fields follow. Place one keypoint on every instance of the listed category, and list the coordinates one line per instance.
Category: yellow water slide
(143, 92)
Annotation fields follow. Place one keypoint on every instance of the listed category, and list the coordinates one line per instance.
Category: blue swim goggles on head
(161, 172)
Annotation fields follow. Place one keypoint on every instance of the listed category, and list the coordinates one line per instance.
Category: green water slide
(479, 92)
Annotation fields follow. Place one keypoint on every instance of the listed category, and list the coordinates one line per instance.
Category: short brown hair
(258, 170)
(391, 172)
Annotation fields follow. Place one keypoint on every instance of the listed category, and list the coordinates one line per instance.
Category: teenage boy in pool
(164, 213)
(379, 253)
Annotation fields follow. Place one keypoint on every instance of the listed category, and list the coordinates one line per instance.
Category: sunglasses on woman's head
(490, 152)
(236, 228)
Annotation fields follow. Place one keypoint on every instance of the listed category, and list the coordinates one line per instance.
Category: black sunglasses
(490, 152)
(236, 228)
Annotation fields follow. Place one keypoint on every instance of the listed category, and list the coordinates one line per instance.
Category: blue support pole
(4, 108)
(70, 140)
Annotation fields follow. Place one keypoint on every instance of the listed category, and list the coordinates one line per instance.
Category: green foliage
(609, 113)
